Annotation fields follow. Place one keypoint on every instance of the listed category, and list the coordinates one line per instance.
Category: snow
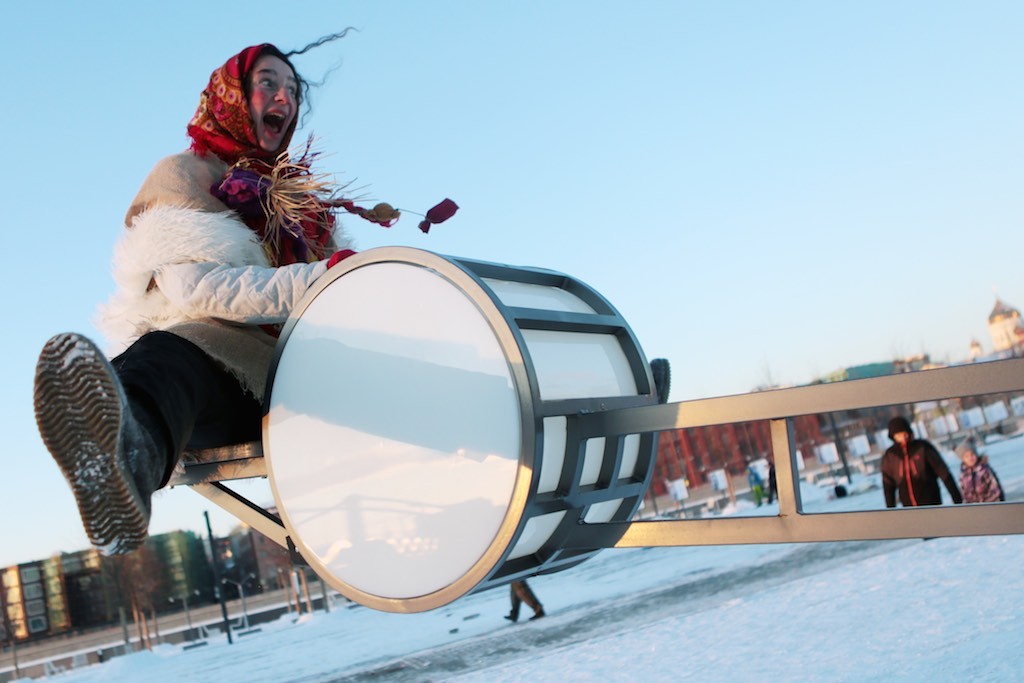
(944, 609)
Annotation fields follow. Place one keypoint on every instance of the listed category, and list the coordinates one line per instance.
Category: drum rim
(516, 358)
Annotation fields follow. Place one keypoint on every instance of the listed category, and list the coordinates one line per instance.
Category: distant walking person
(520, 593)
(911, 468)
(978, 480)
(756, 484)
(772, 482)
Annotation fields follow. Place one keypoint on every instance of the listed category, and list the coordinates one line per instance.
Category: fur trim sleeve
(161, 236)
(171, 234)
(168, 227)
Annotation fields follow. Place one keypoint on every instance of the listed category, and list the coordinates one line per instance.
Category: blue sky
(765, 191)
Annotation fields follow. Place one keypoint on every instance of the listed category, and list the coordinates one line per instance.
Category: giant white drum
(418, 429)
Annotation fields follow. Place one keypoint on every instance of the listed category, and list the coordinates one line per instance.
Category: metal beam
(924, 522)
(913, 387)
(792, 525)
(208, 472)
(245, 510)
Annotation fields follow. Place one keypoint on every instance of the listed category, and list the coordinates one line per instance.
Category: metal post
(241, 593)
(216, 579)
(841, 447)
(323, 592)
(654, 501)
(188, 615)
(245, 610)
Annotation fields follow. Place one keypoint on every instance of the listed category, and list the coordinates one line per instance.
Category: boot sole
(78, 405)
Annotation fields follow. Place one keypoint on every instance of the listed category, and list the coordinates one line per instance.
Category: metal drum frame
(367, 532)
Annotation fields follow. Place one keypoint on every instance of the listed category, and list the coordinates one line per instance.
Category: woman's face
(273, 101)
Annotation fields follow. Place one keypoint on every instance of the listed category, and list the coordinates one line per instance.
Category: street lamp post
(216, 575)
(241, 593)
(188, 615)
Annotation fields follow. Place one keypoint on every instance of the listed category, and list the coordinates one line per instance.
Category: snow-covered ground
(942, 610)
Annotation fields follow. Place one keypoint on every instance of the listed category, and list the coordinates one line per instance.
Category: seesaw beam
(792, 524)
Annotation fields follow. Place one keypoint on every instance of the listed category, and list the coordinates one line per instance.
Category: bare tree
(139, 581)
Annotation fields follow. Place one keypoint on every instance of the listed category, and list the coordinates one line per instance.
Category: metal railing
(793, 524)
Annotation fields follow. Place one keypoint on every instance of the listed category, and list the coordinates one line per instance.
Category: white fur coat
(200, 274)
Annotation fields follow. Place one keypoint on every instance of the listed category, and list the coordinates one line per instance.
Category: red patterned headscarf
(278, 199)
(222, 124)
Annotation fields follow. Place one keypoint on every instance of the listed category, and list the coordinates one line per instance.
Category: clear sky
(766, 191)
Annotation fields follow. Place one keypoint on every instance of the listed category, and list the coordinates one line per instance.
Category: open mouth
(274, 122)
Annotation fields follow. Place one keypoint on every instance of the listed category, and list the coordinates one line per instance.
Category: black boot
(112, 462)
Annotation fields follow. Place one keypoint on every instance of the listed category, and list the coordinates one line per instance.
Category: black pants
(520, 593)
(182, 395)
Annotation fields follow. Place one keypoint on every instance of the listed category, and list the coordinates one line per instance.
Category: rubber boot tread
(78, 406)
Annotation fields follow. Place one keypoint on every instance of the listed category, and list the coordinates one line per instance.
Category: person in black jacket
(912, 467)
(773, 486)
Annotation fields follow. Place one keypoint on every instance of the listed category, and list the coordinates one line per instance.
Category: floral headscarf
(223, 124)
(280, 200)
(283, 201)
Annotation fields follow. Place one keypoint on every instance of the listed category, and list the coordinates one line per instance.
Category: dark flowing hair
(304, 86)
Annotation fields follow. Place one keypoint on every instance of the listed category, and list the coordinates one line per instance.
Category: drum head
(395, 430)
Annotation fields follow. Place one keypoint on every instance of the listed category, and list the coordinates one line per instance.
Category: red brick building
(691, 453)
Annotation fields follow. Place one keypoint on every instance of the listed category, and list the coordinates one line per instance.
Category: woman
(222, 242)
